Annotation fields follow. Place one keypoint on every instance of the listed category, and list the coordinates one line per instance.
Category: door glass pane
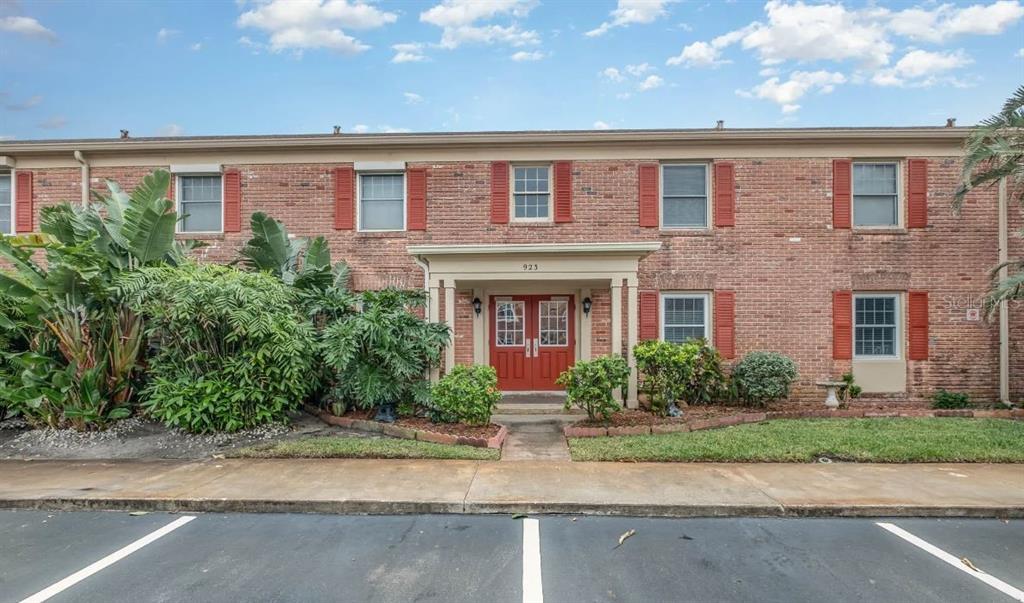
(509, 330)
(554, 322)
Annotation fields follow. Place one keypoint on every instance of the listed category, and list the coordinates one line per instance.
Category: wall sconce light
(477, 305)
(587, 304)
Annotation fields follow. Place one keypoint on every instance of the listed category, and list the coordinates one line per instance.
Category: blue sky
(87, 69)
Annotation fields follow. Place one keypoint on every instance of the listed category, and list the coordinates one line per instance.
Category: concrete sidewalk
(415, 486)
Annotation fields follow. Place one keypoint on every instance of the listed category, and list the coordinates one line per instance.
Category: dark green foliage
(380, 354)
(763, 377)
(468, 394)
(589, 385)
(690, 372)
(233, 351)
(947, 399)
(850, 390)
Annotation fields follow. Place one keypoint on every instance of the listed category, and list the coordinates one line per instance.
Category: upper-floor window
(876, 326)
(6, 218)
(200, 203)
(684, 195)
(531, 192)
(875, 194)
(684, 316)
(382, 201)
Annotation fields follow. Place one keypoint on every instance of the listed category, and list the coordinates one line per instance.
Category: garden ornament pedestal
(831, 388)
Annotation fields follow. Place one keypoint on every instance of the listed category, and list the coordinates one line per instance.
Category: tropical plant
(589, 384)
(690, 372)
(380, 354)
(995, 151)
(948, 399)
(467, 394)
(849, 390)
(232, 350)
(763, 377)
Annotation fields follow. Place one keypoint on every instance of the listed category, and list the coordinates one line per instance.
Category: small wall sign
(973, 314)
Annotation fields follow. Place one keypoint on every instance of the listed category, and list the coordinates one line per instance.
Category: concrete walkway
(416, 486)
(535, 437)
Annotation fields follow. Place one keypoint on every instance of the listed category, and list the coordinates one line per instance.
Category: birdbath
(831, 387)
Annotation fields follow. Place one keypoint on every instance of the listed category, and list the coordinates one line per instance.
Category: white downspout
(80, 158)
(426, 277)
(1004, 305)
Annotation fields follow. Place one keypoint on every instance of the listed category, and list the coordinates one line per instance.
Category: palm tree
(994, 151)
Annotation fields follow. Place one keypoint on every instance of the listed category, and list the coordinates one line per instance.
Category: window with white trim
(876, 194)
(6, 205)
(531, 192)
(684, 195)
(382, 201)
(876, 326)
(684, 316)
(200, 203)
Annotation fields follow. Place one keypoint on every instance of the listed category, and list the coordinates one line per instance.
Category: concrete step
(534, 408)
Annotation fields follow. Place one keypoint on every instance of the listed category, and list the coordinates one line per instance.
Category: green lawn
(910, 440)
(362, 448)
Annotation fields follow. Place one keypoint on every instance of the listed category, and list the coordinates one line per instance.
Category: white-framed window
(509, 323)
(554, 322)
(6, 203)
(200, 203)
(684, 195)
(685, 316)
(381, 201)
(531, 193)
(876, 198)
(876, 325)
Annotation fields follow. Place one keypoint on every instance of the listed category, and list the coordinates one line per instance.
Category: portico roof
(625, 248)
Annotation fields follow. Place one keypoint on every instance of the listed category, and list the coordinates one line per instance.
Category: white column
(617, 321)
(434, 315)
(449, 319)
(479, 328)
(1004, 307)
(586, 333)
(631, 331)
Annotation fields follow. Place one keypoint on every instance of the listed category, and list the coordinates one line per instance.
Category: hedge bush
(948, 399)
(763, 377)
(589, 385)
(670, 372)
(468, 394)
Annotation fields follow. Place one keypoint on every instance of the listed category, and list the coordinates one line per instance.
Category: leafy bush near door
(763, 377)
(467, 394)
(589, 385)
(670, 372)
(232, 349)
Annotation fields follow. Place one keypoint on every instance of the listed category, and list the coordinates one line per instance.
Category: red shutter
(725, 323)
(842, 191)
(344, 193)
(918, 322)
(648, 315)
(232, 201)
(842, 325)
(417, 199)
(563, 191)
(725, 194)
(647, 174)
(917, 193)
(499, 192)
(23, 210)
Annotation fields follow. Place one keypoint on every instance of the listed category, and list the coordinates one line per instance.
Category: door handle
(527, 348)
(535, 351)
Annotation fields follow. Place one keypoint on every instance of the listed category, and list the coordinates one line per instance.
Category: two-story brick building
(835, 246)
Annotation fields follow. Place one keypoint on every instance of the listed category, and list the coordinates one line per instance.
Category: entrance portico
(543, 292)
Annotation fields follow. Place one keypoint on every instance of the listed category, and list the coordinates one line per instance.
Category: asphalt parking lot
(114, 556)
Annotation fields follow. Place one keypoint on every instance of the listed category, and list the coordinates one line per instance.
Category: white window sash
(896, 327)
(179, 189)
(10, 202)
(707, 313)
(359, 201)
(547, 193)
(897, 196)
(662, 196)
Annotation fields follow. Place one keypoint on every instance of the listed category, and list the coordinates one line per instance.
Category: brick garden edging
(573, 431)
(409, 433)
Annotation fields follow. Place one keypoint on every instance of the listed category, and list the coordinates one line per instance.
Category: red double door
(533, 339)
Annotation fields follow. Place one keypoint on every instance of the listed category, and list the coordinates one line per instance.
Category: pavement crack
(469, 488)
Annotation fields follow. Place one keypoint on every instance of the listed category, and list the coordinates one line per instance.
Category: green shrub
(589, 385)
(947, 399)
(233, 351)
(468, 394)
(380, 354)
(763, 377)
(850, 390)
(670, 372)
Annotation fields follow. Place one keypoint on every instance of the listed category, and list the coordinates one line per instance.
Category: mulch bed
(424, 424)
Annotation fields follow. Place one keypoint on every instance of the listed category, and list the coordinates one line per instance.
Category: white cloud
(523, 55)
(638, 70)
(360, 128)
(27, 26)
(787, 93)
(171, 130)
(920, 68)
(947, 21)
(650, 83)
(612, 74)
(1020, 53)
(408, 52)
(390, 130)
(698, 54)
(600, 125)
(28, 103)
(310, 24)
(411, 98)
(460, 20)
(54, 123)
(255, 47)
(196, 47)
(166, 34)
(632, 11)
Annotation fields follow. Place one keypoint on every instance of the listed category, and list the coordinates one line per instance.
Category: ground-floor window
(684, 316)
(876, 322)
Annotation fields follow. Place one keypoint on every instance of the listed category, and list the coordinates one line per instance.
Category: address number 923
(531, 267)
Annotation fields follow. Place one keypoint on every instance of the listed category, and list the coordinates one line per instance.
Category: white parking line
(533, 590)
(992, 581)
(110, 559)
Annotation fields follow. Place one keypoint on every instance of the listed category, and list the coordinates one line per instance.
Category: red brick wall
(783, 288)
